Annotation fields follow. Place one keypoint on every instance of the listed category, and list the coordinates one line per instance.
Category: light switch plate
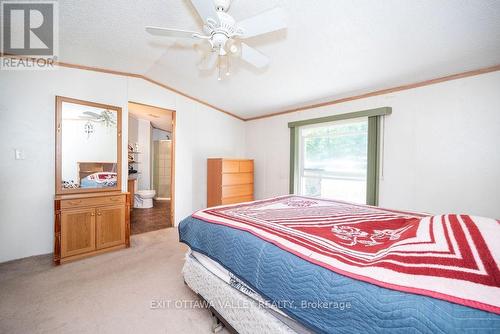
(20, 155)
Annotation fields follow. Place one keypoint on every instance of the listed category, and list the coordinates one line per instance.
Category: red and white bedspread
(450, 257)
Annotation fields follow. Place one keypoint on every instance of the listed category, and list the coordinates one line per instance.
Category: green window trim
(372, 186)
(372, 177)
(364, 113)
(294, 154)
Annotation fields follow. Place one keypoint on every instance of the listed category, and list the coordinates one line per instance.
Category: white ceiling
(332, 48)
(159, 118)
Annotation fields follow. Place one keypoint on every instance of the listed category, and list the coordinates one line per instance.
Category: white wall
(133, 128)
(201, 132)
(27, 109)
(144, 158)
(441, 151)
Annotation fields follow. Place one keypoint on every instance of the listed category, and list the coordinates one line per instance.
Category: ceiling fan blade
(157, 31)
(272, 20)
(91, 114)
(253, 57)
(206, 10)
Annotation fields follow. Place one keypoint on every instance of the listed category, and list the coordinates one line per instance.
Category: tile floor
(147, 220)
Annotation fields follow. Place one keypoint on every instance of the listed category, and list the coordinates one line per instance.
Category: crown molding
(132, 75)
(384, 91)
(154, 82)
(434, 81)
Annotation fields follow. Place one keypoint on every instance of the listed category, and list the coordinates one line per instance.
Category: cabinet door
(110, 226)
(77, 231)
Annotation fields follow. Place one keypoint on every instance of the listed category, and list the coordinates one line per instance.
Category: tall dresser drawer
(246, 166)
(92, 201)
(230, 166)
(235, 179)
(239, 190)
(234, 200)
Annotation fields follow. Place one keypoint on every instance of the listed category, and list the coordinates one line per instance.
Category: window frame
(301, 148)
(374, 116)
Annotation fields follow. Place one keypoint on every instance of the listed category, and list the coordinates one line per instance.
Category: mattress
(322, 300)
(235, 283)
(240, 311)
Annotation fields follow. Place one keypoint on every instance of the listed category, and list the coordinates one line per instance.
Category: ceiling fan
(106, 117)
(225, 36)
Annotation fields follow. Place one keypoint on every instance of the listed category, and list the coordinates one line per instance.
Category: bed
(99, 180)
(97, 174)
(265, 249)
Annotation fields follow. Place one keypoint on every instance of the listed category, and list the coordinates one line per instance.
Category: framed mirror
(88, 146)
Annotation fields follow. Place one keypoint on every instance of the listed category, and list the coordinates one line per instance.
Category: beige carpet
(110, 293)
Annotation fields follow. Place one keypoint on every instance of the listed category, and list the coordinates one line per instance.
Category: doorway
(151, 165)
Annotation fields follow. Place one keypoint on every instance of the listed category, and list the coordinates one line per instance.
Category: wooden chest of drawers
(229, 181)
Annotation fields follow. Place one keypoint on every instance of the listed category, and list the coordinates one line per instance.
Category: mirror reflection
(89, 147)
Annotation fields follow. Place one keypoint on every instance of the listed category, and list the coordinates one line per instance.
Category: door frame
(172, 158)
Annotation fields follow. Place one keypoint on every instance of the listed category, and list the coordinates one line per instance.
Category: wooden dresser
(131, 191)
(87, 224)
(229, 181)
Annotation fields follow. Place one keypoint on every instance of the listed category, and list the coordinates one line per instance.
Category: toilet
(144, 199)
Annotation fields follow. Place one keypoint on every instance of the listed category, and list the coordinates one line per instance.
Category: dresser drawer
(237, 166)
(234, 200)
(235, 179)
(230, 166)
(246, 166)
(239, 190)
(92, 201)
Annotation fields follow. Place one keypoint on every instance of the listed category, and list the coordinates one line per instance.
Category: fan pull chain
(219, 69)
(228, 65)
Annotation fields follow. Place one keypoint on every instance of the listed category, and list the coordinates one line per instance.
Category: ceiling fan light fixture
(222, 5)
(225, 36)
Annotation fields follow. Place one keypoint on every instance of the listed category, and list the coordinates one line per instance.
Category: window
(337, 157)
(333, 160)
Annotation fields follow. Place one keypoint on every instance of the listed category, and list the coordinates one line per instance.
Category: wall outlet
(20, 155)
